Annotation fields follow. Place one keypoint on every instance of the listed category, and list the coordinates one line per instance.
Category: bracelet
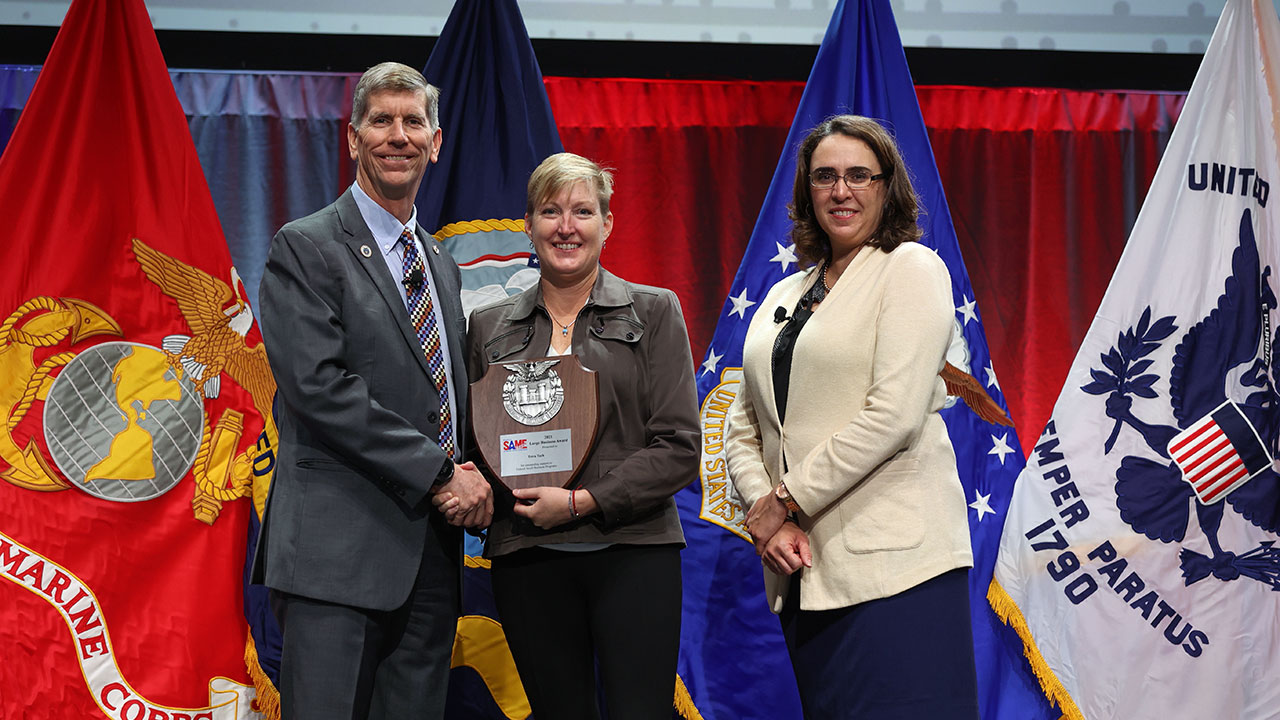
(573, 504)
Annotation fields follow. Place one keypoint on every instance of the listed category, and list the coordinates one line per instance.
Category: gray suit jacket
(349, 514)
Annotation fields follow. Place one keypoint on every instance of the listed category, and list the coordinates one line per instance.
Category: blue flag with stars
(860, 69)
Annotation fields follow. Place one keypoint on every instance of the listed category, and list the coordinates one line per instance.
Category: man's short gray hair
(395, 77)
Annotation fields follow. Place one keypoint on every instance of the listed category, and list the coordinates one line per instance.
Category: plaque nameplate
(537, 452)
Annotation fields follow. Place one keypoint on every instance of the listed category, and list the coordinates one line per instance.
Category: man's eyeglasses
(856, 179)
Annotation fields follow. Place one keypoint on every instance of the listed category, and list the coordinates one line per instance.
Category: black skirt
(903, 657)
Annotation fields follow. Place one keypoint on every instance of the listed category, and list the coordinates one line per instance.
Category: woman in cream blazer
(836, 444)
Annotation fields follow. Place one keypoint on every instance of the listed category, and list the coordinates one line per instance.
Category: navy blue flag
(861, 69)
(497, 126)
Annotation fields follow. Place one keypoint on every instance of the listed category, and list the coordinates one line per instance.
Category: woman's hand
(788, 550)
(551, 505)
(764, 518)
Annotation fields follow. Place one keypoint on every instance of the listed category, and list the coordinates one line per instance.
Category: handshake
(466, 500)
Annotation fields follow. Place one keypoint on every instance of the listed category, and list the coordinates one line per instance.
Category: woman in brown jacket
(592, 573)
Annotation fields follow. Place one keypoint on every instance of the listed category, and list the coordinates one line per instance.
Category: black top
(784, 346)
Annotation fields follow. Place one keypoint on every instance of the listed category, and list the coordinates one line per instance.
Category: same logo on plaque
(535, 426)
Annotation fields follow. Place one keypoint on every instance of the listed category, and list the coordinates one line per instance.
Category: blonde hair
(563, 170)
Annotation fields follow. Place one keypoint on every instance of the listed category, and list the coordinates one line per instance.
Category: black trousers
(347, 663)
(566, 613)
(905, 657)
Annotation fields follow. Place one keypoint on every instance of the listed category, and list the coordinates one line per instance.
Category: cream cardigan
(870, 462)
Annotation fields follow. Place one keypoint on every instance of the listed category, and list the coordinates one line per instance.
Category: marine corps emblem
(533, 392)
(125, 421)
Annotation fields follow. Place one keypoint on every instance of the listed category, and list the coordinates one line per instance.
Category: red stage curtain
(1043, 184)
(692, 163)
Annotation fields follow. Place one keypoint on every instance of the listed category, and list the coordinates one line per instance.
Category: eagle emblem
(219, 319)
(1217, 456)
(533, 392)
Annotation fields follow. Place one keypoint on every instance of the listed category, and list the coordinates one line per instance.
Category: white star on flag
(712, 358)
(1000, 447)
(785, 256)
(966, 309)
(991, 377)
(982, 504)
(740, 304)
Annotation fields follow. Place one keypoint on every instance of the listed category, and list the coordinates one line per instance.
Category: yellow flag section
(480, 644)
(82, 614)
(721, 504)
(1139, 561)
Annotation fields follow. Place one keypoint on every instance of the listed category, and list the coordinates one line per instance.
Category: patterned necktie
(422, 315)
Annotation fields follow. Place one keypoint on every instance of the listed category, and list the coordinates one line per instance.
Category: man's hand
(788, 550)
(467, 499)
(764, 518)
(550, 507)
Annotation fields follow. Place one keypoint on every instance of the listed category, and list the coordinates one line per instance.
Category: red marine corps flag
(135, 389)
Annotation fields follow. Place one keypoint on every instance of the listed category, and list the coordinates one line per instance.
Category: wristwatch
(784, 496)
(444, 476)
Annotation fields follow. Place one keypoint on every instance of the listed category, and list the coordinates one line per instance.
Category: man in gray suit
(364, 328)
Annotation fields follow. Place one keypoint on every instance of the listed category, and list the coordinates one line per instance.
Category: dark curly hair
(897, 223)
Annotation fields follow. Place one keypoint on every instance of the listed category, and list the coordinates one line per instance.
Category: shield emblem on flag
(1219, 452)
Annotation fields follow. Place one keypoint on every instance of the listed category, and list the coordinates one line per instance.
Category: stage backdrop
(1043, 184)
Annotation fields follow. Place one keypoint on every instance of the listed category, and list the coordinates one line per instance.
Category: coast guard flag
(497, 127)
(1139, 559)
(860, 68)
(138, 441)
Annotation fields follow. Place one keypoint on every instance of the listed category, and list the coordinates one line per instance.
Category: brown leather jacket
(647, 445)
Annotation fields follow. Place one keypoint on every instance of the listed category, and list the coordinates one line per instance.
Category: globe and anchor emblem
(121, 424)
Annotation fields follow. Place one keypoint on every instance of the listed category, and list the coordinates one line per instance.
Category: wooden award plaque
(535, 421)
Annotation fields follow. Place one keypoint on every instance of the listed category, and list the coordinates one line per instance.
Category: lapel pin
(435, 249)
(365, 251)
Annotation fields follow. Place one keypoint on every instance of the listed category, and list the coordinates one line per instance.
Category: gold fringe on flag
(268, 697)
(684, 703)
(1008, 611)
